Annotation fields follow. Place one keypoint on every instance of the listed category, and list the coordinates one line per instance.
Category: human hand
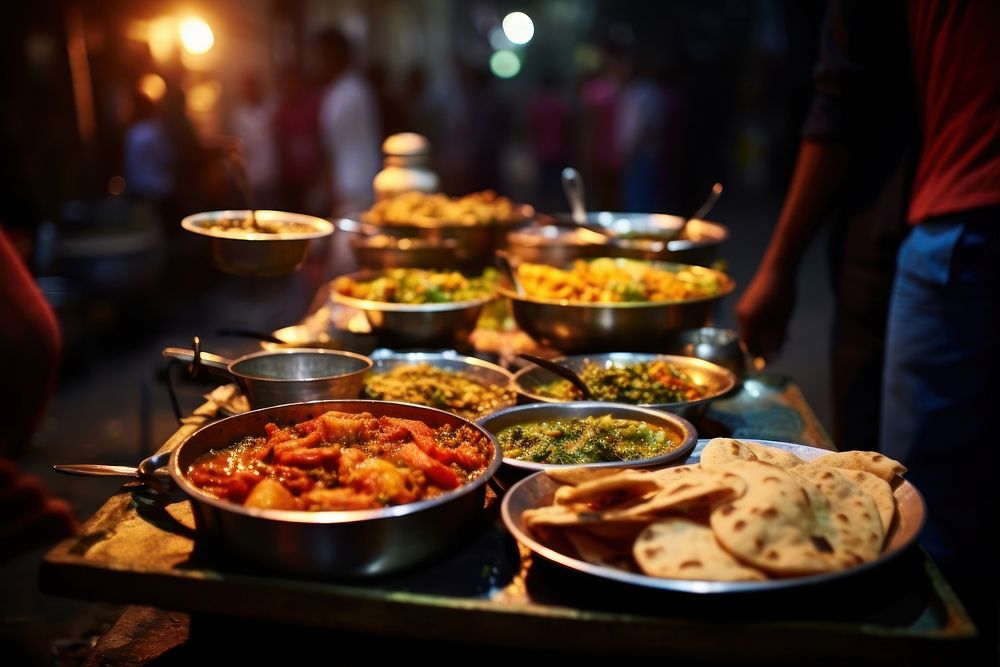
(29, 515)
(764, 310)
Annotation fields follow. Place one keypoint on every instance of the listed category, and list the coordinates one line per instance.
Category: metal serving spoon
(562, 372)
(506, 266)
(713, 198)
(150, 470)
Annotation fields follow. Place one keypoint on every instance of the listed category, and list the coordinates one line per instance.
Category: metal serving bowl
(577, 326)
(420, 325)
(345, 544)
(558, 240)
(248, 253)
(512, 470)
(449, 360)
(475, 244)
(716, 380)
(288, 375)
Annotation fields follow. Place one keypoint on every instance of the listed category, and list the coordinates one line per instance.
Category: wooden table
(139, 550)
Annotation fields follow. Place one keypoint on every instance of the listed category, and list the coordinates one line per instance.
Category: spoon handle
(573, 187)
(95, 470)
(562, 372)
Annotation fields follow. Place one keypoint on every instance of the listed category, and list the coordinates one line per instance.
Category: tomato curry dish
(343, 461)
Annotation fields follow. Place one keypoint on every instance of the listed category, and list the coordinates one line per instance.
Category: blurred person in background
(296, 136)
(30, 349)
(349, 124)
(549, 123)
(253, 123)
(639, 130)
(944, 310)
(601, 161)
(149, 157)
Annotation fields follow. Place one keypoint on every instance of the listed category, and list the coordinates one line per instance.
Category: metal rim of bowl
(676, 359)
(647, 415)
(344, 354)
(449, 355)
(195, 223)
(335, 516)
(726, 288)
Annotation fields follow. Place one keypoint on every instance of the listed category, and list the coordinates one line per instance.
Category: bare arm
(767, 304)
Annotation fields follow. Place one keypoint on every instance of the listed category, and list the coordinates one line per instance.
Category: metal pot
(608, 234)
(327, 544)
(289, 375)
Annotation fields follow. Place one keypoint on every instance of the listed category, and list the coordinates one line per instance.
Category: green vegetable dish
(647, 382)
(587, 440)
(438, 388)
(417, 286)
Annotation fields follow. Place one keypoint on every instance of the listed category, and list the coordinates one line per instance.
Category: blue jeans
(941, 390)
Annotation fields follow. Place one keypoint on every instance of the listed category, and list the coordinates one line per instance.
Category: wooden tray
(138, 549)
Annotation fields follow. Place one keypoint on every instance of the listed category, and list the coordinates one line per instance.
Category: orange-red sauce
(341, 461)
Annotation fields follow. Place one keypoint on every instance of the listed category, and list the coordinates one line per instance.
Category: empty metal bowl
(714, 379)
(719, 346)
(245, 252)
(681, 431)
(416, 325)
(579, 326)
(287, 375)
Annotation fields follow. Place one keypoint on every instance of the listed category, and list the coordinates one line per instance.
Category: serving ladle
(562, 372)
(150, 470)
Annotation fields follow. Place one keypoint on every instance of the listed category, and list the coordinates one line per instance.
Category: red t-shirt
(955, 46)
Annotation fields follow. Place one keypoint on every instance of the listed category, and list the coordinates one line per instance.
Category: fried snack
(419, 208)
(682, 549)
(736, 516)
(616, 280)
(419, 286)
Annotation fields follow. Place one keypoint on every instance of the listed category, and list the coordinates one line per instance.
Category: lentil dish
(614, 280)
(343, 461)
(585, 440)
(418, 286)
(637, 383)
(438, 388)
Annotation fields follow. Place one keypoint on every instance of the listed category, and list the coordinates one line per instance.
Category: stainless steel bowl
(344, 544)
(287, 375)
(716, 380)
(422, 325)
(246, 253)
(558, 240)
(719, 346)
(577, 326)
(449, 360)
(475, 243)
(680, 429)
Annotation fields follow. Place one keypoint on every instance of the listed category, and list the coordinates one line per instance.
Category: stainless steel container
(331, 544)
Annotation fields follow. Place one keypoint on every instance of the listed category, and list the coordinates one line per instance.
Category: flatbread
(877, 464)
(719, 451)
(578, 475)
(770, 526)
(615, 489)
(874, 486)
(687, 489)
(683, 549)
(850, 523)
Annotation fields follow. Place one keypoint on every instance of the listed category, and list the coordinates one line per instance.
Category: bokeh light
(196, 36)
(153, 86)
(505, 64)
(518, 27)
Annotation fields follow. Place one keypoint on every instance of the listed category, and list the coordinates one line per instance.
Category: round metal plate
(538, 489)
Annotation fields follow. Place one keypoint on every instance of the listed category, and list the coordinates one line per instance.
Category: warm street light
(196, 36)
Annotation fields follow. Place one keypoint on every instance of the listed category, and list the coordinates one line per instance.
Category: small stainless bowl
(247, 253)
(717, 380)
(420, 325)
(681, 430)
(719, 346)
